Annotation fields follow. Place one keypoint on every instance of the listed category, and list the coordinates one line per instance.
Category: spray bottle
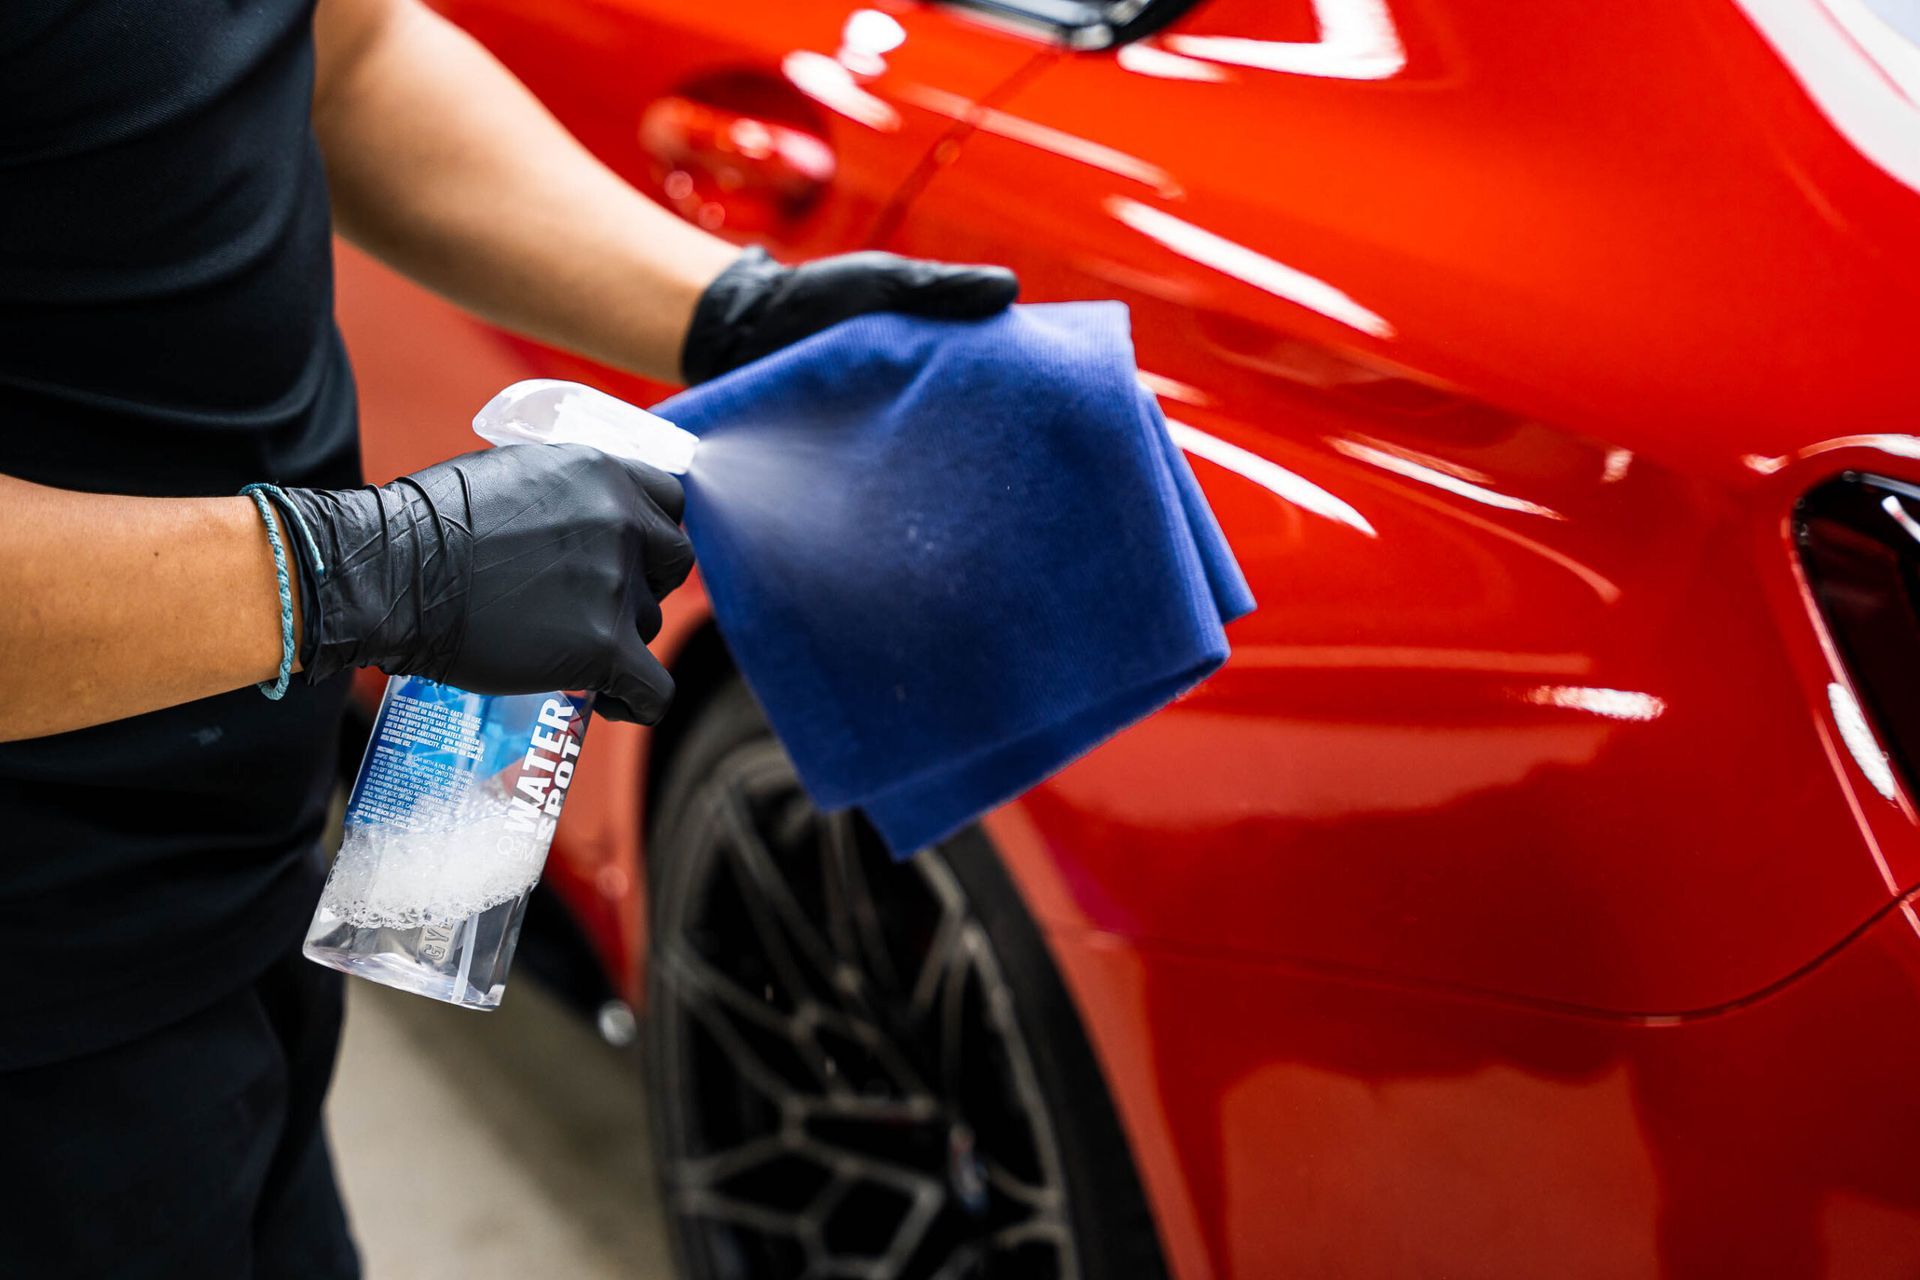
(458, 794)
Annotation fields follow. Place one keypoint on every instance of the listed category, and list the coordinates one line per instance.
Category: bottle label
(547, 770)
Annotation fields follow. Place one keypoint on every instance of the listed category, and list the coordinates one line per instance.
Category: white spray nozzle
(548, 411)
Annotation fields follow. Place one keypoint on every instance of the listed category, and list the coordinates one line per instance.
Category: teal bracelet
(277, 689)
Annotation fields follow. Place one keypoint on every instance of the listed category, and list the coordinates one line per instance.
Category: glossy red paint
(1510, 903)
(1324, 1124)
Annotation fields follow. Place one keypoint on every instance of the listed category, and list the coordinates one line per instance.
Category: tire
(861, 1068)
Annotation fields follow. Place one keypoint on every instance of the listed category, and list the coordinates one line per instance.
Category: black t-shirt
(166, 328)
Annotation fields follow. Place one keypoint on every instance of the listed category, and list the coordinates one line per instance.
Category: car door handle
(718, 164)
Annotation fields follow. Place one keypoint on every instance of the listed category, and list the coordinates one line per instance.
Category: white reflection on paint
(870, 31)
(1855, 732)
(1602, 586)
(1860, 70)
(1473, 475)
(1892, 506)
(1358, 41)
(1403, 466)
(1255, 268)
(1298, 490)
(1614, 704)
(751, 138)
(866, 37)
(833, 87)
(1074, 147)
(1898, 446)
(1143, 58)
(1173, 389)
(1045, 137)
(1615, 468)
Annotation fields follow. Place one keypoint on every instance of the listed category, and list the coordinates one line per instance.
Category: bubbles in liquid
(385, 877)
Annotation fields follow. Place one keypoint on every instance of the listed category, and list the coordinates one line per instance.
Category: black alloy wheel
(862, 1069)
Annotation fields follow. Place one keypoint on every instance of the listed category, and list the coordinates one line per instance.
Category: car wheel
(862, 1068)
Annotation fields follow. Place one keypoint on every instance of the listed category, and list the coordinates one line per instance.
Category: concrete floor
(508, 1144)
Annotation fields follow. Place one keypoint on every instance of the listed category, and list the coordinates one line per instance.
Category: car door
(1358, 240)
(1371, 248)
(1170, 173)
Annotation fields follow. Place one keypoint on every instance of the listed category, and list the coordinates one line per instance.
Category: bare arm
(442, 164)
(112, 606)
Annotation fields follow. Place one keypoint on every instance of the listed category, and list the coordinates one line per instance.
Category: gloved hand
(756, 306)
(520, 569)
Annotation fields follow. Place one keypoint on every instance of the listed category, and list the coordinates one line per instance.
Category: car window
(1082, 24)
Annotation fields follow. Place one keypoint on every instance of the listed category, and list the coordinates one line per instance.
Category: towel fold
(950, 558)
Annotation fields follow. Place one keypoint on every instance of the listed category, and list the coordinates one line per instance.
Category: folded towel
(950, 557)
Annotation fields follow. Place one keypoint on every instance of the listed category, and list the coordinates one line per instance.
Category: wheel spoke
(960, 1263)
(851, 907)
(947, 1006)
(724, 1208)
(1041, 1199)
(793, 944)
(946, 955)
(853, 1170)
(914, 1109)
(791, 1032)
(875, 1047)
(702, 1173)
(1055, 1234)
(723, 1015)
(690, 969)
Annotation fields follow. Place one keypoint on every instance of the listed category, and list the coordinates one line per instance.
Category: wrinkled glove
(756, 306)
(521, 569)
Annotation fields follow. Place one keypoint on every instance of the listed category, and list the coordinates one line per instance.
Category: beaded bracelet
(277, 689)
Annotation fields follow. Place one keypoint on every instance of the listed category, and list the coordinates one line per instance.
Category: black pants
(196, 1151)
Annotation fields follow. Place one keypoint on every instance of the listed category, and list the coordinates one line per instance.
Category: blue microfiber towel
(951, 557)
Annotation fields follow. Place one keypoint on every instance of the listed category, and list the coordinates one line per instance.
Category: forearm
(445, 166)
(111, 606)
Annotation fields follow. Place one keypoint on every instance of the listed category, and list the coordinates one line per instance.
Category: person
(170, 174)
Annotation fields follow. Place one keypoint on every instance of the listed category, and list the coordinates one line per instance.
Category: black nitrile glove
(521, 569)
(756, 306)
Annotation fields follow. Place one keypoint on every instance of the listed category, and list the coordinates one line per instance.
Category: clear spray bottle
(458, 794)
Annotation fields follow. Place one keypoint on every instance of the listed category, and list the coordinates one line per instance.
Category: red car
(1533, 891)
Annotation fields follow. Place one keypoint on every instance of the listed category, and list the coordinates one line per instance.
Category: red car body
(1510, 904)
